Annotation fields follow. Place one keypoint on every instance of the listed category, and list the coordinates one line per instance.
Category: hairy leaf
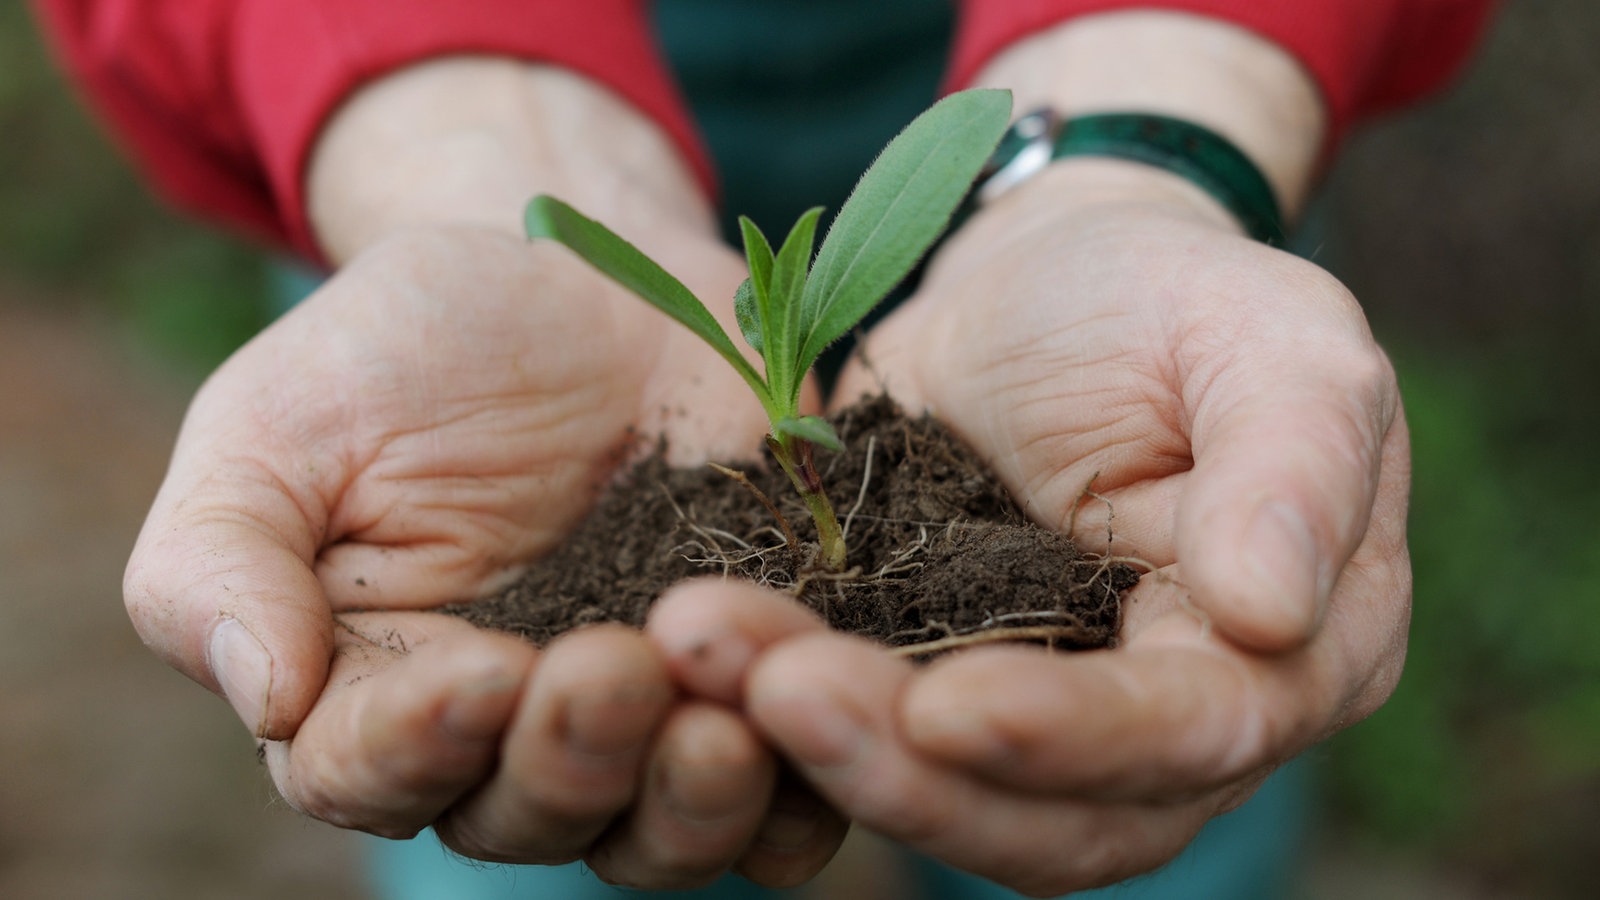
(758, 306)
(788, 283)
(757, 253)
(600, 247)
(810, 428)
(897, 210)
(747, 315)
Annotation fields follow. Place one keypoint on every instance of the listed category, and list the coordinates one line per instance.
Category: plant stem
(796, 459)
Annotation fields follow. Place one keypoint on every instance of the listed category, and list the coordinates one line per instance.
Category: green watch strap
(1191, 151)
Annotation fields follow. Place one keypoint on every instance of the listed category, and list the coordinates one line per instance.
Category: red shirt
(219, 101)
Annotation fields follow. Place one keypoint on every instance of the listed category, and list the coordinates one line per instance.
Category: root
(1048, 633)
(993, 620)
(1077, 504)
(1138, 562)
(824, 575)
(948, 526)
(736, 475)
(866, 478)
(713, 553)
(902, 563)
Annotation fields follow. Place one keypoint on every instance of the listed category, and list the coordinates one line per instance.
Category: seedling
(791, 308)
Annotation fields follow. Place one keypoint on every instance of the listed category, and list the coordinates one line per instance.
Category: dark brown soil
(938, 551)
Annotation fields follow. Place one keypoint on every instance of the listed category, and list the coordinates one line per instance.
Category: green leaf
(788, 283)
(758, 307)
(747, 315)
(757, 253)
(810, 428)
(547, 217)
(897, 210)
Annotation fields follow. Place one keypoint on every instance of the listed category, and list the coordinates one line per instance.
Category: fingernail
(695, 796)
(1280, 553)
(243, 668)
(713, 663)
(478, 710)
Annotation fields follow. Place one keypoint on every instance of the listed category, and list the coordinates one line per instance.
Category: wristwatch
(1192, 151)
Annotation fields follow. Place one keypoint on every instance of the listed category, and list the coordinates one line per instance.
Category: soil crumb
(937, 548)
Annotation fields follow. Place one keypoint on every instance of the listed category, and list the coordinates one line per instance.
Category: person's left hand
(1227, 402)
(443, 410)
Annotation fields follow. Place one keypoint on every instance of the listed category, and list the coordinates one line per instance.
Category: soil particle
(937, 549)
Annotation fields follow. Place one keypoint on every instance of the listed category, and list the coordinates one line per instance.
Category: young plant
(790, 308)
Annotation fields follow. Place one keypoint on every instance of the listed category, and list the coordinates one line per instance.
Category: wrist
(1204, 71)
(467, 142)
(1092, 189)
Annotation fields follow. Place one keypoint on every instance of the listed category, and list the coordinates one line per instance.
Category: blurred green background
(1471, 232)
(1469, 228)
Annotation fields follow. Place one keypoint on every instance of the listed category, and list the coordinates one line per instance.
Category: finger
(411, 574)
(799, 834)
(1174, 713)
(574, 757)
(220, 586)
(1134, 519)
(705, 793)
(400, 735)
(828, 704)
(887, 363)
(1287, 467)
(710, 630)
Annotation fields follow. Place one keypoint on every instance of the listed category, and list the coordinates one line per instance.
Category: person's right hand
(442, 411)
(1108, 328)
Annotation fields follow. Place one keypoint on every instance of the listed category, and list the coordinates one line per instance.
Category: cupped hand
(1140, 373)
(442, 411)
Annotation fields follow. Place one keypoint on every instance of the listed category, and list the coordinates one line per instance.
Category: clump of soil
(939, 553)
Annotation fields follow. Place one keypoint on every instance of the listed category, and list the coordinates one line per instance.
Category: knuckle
(325, 791)
(1373, 384)
(506, 830)
(468, 837)
(1379, 685)
(314, 797)
(465, 841)
(142, 593)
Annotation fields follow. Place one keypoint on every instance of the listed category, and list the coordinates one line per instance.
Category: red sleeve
(219, 101)
(1366, 55)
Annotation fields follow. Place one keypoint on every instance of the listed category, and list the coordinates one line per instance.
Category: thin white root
(736, 475)
(991, 636)
(861, 495)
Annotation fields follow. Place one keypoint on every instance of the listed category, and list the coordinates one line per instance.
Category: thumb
(889, 361)
(1286, 472)
(220, 585)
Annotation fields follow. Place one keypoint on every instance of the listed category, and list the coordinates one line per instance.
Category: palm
(1062, 385)
(451, 407)
(1107, 358)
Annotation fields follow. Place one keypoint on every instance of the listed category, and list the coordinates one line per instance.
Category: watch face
(1025, 149)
